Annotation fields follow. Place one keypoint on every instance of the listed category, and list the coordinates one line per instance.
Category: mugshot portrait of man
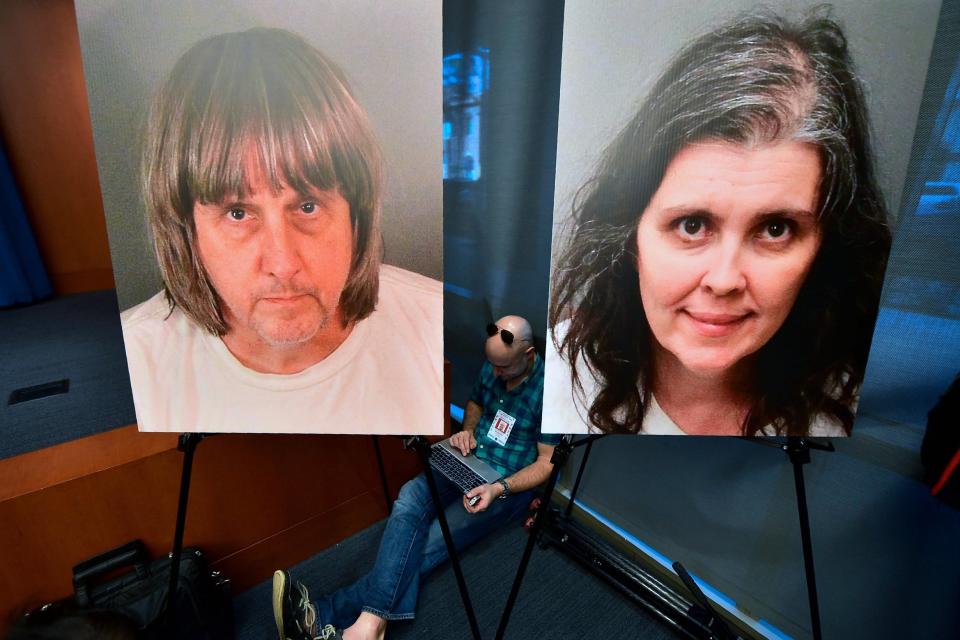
(263, 179)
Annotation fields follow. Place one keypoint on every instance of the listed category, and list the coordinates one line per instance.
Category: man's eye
(236, 214)
(308, 207)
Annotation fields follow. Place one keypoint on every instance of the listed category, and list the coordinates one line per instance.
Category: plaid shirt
(525, 403)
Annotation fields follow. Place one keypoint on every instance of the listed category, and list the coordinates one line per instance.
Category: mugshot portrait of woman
(722, 270)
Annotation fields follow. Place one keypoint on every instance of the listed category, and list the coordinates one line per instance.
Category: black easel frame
(561, 453)
(694, 619)
(422, 447)
(589, 440)
(798, 450)
(383, 474)
(188, 445)
(714, 623)
(674, 609)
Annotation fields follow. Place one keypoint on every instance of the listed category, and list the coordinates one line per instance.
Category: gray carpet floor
(558, 598)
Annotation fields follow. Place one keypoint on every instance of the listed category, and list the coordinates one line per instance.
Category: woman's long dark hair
(756, 80)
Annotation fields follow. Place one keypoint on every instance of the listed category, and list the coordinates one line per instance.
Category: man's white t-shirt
(386, 377)
(567, 411)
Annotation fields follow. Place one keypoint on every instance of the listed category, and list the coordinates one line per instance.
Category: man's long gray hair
(270, 93)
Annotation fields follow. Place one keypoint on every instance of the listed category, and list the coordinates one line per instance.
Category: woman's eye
(691, 227)
(776, 230)
(236, 214)
(308, 207)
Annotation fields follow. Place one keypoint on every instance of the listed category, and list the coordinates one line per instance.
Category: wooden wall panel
(45, 127)
(257, 502)
(60, 463)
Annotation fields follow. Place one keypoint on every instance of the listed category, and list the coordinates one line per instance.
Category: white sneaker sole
(279, 586)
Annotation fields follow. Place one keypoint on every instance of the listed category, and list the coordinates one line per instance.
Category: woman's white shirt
(566, 409)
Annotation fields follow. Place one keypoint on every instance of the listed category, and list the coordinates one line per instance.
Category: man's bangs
(260, 106)
(322, 143)
(295, 151)
(217, 171)
(299, 153)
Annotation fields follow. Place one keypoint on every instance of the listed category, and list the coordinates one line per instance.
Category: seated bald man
(502, 425)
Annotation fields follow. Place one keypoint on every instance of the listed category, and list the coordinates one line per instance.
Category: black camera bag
(202, 610)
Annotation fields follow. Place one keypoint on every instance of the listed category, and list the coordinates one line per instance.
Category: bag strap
(947, 472)
(131, 554)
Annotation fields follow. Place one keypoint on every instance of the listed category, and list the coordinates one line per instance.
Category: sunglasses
(505, 335)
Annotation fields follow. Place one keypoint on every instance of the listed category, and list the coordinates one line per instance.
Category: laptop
(467, 472)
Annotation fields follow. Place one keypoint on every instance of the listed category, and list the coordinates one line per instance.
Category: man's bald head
(511, 360)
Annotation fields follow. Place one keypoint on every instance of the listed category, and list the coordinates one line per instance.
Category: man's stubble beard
(261, 326)
(287, 337)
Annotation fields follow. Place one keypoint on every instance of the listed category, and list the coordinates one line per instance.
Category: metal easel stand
(705, 620)
(422, 447)
(560, 455)
(798, 449)
(383, 473)
(712, 622)
(583, 465)
(693, 619)
(188, 445)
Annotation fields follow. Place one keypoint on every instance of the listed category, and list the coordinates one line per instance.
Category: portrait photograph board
(271, 175)
(728, 175)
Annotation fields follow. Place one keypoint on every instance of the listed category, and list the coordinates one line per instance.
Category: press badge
(501, 427)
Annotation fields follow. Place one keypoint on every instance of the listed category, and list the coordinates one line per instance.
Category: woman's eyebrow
(798, 214)
(693, 210)
(689, 210)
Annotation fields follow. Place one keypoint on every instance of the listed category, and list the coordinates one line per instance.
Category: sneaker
(293, 612)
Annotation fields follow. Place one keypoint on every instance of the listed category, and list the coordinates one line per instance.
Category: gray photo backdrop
(390, 51)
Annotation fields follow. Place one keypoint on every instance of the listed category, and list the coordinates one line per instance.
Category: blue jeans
(412, 546)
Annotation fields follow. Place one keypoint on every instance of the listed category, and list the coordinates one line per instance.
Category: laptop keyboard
(458, 473)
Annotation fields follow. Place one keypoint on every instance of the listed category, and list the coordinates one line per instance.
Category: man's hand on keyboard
(487, 492)
(464, 441)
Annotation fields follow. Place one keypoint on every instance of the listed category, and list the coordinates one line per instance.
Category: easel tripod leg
(188, 445)
(383, 474)
(799, 454)
(560, 455)
(423, 450)
(576, 484)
